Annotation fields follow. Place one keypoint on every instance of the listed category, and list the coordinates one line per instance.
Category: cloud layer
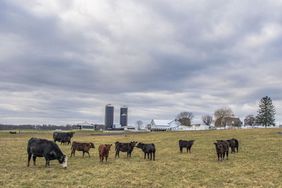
(63, 61)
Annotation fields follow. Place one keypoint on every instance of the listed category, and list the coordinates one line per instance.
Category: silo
(123, 116)
(109, 116)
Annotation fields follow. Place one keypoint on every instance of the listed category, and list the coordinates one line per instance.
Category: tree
(249, 120)
(266, 112)
(185, 118)
(139, 124)
(223, 112)
(207, 119)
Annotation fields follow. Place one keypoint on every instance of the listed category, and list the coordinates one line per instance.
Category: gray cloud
(62, 62)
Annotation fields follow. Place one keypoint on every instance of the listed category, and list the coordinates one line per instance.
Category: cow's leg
(218, 156)
(117, 154)
(180, 149)
(72, 152)
(83, 153)
(227, 155)
(34, 160)
(28, 159)
(88, 153)
(151, 155)
(47, 162)
(187, 149)
(106, 158)
(144, 155)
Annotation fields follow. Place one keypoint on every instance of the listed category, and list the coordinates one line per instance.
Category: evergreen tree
(266, 112)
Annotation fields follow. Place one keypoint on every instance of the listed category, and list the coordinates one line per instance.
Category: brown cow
(80, 146)
(104, 151)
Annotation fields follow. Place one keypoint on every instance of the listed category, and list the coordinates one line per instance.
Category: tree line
(37, 127)
(265, 115)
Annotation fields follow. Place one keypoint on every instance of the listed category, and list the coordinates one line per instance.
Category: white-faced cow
(37, 147)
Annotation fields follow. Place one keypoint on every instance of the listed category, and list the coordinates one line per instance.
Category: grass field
(258, 163)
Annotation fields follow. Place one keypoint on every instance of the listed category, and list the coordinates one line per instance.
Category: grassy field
(258, 163)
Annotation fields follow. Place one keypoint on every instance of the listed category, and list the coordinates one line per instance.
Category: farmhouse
(228, 122)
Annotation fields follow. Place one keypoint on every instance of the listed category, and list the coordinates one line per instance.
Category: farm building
(163, 125)
(85, 126)
(228, 122)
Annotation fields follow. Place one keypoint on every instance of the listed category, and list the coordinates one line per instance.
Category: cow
(80, 146)
(236, 144)
(63, 137)
(232, 144)
(124, 147)
(104, 150)
(148, 149)
(186, 144)
(37, 147)
(222, 149)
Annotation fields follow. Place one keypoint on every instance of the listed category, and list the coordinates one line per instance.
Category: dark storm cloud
(63, 61)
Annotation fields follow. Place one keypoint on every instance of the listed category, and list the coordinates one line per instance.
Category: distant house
(163, 125)
(85, 126)
(227, 122)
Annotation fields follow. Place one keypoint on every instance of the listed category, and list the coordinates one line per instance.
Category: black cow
(186, 144)
(148, 149)
(37, 147)
(124, 147)
(232, 144)
(236, 144)
(222, 149)
(63, 137)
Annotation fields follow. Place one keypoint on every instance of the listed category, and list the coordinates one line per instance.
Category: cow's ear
(215, 143)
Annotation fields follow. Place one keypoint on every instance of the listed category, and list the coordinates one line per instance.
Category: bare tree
(249, 120)
(185, 118)
(139, 124)
(207, 119)
(223, 112)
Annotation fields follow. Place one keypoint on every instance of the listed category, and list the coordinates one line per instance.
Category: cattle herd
(37, 147)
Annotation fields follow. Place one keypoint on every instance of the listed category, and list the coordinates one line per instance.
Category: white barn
(163, 125)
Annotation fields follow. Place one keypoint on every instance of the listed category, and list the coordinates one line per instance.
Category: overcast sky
(62, 61)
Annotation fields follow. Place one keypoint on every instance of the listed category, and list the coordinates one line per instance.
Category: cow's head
(133, 143)
(218, 146)
(140, 145)
(63, 160)
(108, 146)
(91, 145)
